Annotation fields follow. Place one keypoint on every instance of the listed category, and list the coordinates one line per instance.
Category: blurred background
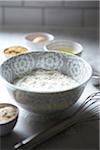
(49, 13)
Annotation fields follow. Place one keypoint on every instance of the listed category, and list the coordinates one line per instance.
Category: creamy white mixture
(7, 113)
(46, 81)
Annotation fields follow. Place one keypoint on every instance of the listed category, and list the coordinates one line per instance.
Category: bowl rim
(14, 118)
(63, 41)
(49, 35)
(45, 92)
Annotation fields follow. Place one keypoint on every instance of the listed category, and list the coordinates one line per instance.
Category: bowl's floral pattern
(69, 64)
(23, 64)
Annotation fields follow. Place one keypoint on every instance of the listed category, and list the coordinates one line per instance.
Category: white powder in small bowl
(7, 113)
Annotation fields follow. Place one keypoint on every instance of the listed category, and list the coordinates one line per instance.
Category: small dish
(14, 50)
(96, 80)
(8, 118)
(37, 40)
(96, 72)
(65, 46)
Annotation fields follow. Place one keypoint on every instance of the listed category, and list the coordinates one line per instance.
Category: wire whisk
(88, 110)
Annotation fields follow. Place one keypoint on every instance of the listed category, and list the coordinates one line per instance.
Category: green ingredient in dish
(68, 51)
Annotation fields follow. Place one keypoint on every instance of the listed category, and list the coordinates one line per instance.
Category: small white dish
(37, 40)
(8, 118)
(13, 51)
(96, 80)
(64, 46)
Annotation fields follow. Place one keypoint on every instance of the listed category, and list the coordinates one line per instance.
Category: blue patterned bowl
(45, 102)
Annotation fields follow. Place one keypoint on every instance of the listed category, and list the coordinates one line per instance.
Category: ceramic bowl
(36, 45)
(64, 46)
(7, 126)
(46, 102)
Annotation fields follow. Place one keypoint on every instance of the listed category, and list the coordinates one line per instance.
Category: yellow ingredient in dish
(7, 113)
(15, 50)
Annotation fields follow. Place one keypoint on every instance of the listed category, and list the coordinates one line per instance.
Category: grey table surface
(83, 136)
